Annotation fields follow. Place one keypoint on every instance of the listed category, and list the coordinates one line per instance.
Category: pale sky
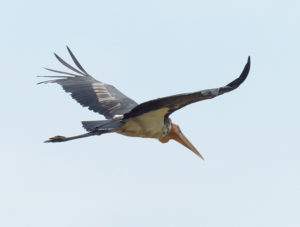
(150, 49)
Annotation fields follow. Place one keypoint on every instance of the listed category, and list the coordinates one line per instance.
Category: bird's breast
(148, 125)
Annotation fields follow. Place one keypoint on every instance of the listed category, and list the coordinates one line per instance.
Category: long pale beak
(179, 137)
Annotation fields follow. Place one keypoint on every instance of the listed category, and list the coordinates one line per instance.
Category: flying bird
(123, 115)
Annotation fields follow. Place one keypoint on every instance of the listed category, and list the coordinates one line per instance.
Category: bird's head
(176, 134)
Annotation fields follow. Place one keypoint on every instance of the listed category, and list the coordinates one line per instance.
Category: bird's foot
(55, 139)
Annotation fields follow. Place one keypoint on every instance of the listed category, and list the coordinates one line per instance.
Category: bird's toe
(56, 139)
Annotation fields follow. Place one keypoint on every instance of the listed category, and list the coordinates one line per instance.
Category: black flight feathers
(99, 97)
(176, 102)
(108, 101)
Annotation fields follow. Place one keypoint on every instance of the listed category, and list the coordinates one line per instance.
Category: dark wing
(97, 96)
(175, 102)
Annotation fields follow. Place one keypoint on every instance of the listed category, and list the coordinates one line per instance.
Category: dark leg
(63, 138)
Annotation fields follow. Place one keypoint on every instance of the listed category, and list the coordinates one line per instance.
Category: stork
(123, 115)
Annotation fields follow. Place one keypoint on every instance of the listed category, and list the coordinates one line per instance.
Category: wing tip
(249, 61)
(246, 69)
(75, 60)
(237, 82)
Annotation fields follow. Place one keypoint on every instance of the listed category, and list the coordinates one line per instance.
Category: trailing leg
(63, 138)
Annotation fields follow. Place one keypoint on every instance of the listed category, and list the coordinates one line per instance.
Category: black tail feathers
(105, 125)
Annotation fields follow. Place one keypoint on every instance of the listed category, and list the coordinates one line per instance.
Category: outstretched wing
(97, 96)
(172, 103)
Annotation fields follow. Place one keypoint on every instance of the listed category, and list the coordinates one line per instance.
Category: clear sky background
(151, 49)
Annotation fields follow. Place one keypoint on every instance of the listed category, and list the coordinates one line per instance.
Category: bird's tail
(105, 125)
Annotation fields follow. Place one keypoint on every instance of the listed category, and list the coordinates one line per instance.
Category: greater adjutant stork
(150, 119)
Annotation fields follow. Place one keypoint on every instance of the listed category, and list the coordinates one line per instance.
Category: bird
(150, 119)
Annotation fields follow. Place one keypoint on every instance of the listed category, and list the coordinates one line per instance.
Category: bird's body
(124, 116)
(147, 125)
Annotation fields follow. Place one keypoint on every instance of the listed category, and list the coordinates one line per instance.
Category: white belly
(148, 125)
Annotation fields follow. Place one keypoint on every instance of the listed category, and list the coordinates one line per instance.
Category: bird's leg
(63, 138)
